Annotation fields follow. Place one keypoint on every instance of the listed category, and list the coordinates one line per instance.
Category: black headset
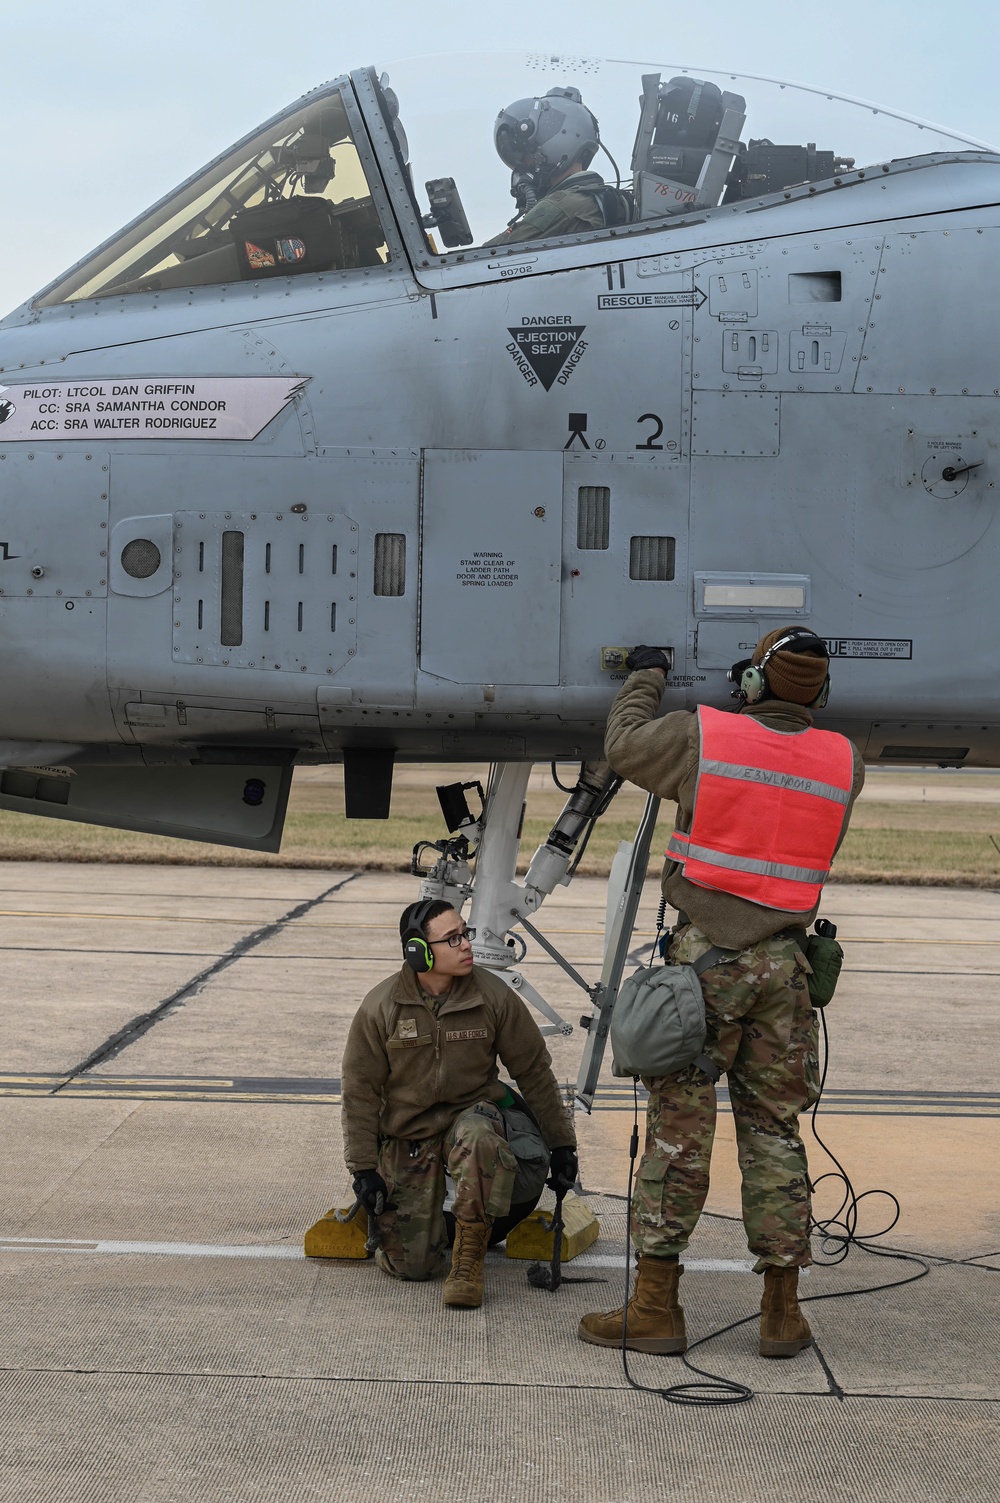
(751, 681)
(417, 952)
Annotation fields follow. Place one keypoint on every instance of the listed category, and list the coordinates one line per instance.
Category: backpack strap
(708, 1068)
(711, 957)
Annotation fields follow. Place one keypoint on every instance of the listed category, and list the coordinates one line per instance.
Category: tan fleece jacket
(408, 1072)
(661, 755)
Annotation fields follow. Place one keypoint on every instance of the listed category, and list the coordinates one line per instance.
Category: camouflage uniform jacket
(567, 210)
(409, 1071)
(661, 755)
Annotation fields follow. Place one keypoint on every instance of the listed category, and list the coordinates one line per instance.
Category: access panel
(53, 524)
(491, 562)
(265, 589)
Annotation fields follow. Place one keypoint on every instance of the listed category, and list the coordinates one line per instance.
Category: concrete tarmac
(169, 1094)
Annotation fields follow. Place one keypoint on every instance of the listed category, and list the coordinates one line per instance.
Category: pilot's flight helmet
(544, 136)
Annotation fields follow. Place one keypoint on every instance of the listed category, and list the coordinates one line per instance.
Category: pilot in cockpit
(549, 144)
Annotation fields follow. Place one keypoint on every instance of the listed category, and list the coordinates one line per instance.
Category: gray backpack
(658, 1023)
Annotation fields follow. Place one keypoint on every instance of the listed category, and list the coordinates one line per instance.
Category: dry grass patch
(914, 842)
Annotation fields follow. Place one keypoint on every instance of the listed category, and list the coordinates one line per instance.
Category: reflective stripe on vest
(768, 811)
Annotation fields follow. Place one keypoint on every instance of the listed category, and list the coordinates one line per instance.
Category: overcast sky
(108, 105)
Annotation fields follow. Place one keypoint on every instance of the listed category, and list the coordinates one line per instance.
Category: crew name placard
(146, 407)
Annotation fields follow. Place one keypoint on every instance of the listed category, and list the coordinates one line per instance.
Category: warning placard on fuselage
(547, 347)
(870, 647)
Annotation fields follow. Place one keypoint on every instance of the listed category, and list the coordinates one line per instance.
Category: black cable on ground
(839, 1232)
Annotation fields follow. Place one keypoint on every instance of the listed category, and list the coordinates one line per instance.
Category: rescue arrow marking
(691, 299)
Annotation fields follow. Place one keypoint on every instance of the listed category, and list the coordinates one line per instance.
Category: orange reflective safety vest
(768, 810)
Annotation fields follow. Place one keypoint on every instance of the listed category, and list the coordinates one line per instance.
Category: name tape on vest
(777, 780)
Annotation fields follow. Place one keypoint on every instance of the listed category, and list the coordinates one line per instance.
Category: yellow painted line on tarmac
(78, 1093)
(147, 1080)
(906, 939)
(971, 1105)
(833, 1109)
(41, 1079)
(132, 918)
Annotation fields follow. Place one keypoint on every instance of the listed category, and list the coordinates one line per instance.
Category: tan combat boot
(784, 1330)
(655, 1318)
(464, 1285)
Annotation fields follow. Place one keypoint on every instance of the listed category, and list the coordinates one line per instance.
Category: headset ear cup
(752, 685)
(417, 954)
(819, 703)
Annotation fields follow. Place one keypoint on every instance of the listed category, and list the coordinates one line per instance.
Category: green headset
(417, 952)
(751, 680)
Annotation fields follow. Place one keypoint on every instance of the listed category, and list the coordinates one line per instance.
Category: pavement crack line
(123, 1037)
(836, 1392)
(74, 1169)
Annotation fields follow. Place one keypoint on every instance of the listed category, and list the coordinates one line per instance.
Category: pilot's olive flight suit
(761, 1028)
(421, 1093)
(567, 210)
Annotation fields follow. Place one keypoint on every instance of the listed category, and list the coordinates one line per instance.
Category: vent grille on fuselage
(651, 558)
(390, 563)
(231, 630)
(140, 558)
(593, 516)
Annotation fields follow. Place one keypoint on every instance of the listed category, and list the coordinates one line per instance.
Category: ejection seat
(688, 136)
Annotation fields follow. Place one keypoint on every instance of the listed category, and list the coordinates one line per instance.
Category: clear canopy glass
(448, 106)
(295, 198)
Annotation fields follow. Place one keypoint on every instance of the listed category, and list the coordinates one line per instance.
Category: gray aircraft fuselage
(481, 473)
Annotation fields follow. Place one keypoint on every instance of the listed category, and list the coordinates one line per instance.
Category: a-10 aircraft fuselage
(417, 506)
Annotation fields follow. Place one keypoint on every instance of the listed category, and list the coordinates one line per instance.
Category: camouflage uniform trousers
(474, 1151)
(761, 1031)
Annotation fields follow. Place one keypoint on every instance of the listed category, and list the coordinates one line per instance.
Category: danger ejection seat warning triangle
(546, 349)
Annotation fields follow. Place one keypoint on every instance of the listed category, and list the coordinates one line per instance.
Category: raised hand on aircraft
(647, 657)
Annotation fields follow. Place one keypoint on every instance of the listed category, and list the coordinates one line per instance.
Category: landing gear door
(491, 563)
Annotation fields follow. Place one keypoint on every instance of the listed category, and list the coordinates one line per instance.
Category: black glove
(564, 1166)
(647, 657)
(371, 1190)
